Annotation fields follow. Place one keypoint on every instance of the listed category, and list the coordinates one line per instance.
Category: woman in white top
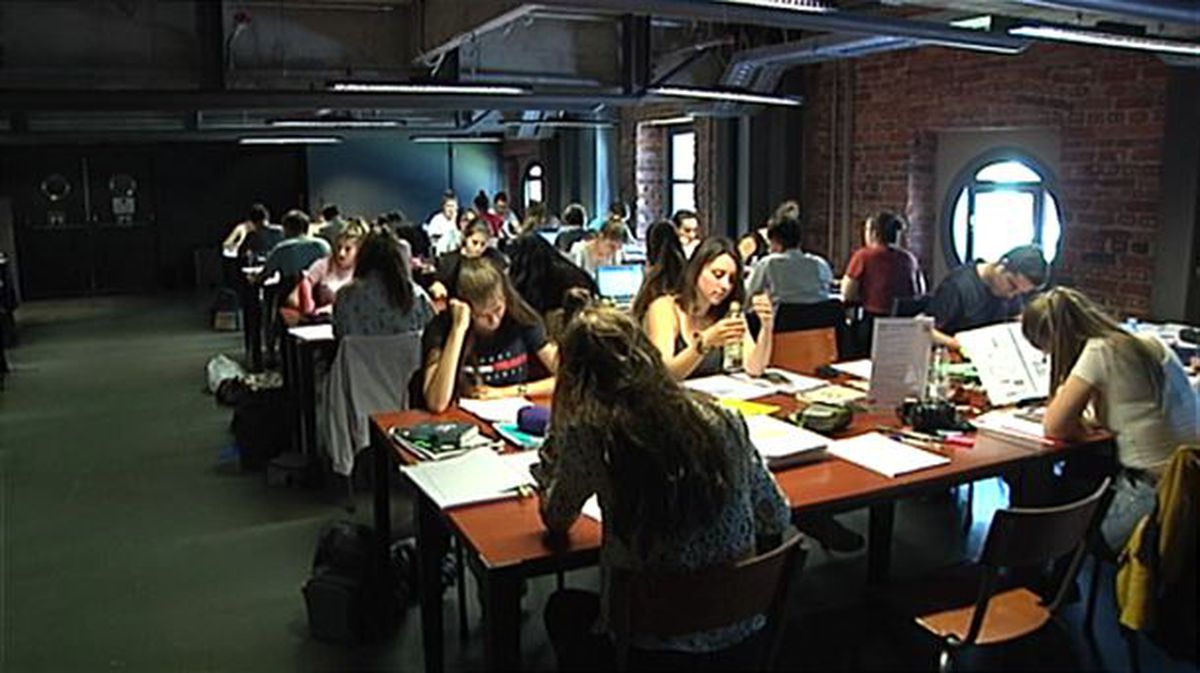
(1135, 386)
(329, 274)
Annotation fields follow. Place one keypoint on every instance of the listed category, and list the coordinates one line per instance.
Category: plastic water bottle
(936, 386)
(733, 351)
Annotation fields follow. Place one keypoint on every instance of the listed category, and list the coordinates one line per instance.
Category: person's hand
(762, 307)
(437, 291)
(729, 330)
(482, 392)
(460, 313)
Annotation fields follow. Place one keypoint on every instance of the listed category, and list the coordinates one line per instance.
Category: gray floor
(125, 546)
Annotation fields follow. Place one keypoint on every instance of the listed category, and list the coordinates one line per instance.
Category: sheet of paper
(322, 332)
(749, 409)
(782, 380)
(778, 440)
(478, 475)
(1024, 426)
(1010, 368)
(900, 353)
(723, 386)
(834, 395)
(591, 508)
(858, 368)
(884, 455)
(495, 411)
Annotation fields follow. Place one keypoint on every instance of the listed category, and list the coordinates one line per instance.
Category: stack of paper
(495, 411)
(883, 455)
(480, 475)
(724, 386)
(783, 444)
(1020, 427)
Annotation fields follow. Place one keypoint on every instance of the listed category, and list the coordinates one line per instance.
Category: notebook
(479, 475)
(619, 283)
(783, 444)
(884, 455)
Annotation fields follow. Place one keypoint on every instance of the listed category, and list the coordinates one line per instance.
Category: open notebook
(1009, 367)
(479, 475)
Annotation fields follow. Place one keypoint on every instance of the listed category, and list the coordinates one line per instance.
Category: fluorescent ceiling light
(455, 139)
(334, 123)
(974, 46)
(290, 140)
(430, 89)
(793, 5)
(1107, 39)
(725, 96)
(668, 121)
(982, 22)
(562, 123)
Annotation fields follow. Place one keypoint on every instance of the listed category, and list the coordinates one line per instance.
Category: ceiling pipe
(1166, 11)
(832, 21)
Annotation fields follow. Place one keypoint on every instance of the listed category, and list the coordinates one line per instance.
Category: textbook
(479, 475)
(1009, 367)
(1020, 426)
(782, 444)
(438, 441)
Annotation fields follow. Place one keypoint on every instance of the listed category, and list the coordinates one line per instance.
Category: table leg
(879, 543)
(501, 618)
(433, 540)
(308, 399)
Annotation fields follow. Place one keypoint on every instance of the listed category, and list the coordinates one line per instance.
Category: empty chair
(673, 604)
(1018, 537)
(805, 351)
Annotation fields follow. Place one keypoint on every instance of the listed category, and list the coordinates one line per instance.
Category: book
(1010, 368)
(479, 475)
(1020, 426)
(782, 444)
(884, 455)
(513, 434)
(439, 440)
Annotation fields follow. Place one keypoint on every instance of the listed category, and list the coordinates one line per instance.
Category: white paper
(503, 410)
(778, 441)
(1018, 425)
(322, 332)
(833, 394)
(726, 387)
(591, 508)
(478, 475)
(899, 359)
(1009, 367)
(795, 383)
(884, 455)
(857, 368)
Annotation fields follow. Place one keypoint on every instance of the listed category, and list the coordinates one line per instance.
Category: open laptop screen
(620, 283)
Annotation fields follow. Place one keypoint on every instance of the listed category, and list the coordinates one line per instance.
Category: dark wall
(371, 176)
(187, 197)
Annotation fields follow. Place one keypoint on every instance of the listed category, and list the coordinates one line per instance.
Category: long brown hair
(673, 467)
(380, 255)
(666, 265)
(710, 249)
(1060, 322)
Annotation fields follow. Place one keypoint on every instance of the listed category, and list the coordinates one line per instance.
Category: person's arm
(849, 290)
(760, 349)
(1064, 414)
(234, 240)
(441, 365)
(569, 472)
(548, 354)
(662, 327)
(940, 338)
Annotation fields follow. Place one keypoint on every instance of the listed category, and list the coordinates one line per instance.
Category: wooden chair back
(804, 351)
(675, 604)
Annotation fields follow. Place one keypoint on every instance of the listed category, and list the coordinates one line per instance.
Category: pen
(932, 447)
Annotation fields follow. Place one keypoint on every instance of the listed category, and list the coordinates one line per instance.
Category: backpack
(261, 426)
(350, 597)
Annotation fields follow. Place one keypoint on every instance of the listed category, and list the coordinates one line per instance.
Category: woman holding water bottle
(701, 330)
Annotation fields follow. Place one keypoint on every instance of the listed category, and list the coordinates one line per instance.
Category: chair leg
(562, 579)
(945, 661)
(1089, 614)
(462, 590)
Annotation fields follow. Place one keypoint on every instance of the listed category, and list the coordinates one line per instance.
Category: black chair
(804, 317)
(909, 307)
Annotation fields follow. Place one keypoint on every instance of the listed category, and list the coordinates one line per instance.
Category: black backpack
(351, 597)
(261, 426)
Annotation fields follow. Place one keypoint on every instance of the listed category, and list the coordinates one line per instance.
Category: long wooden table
(507, 541)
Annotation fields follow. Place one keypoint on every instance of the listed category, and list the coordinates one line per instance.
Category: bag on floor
(261, 427)
(350, 598)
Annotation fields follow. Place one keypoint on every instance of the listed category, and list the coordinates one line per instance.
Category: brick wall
(1106, 106)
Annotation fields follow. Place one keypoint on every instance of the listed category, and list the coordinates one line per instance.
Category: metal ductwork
(1168, 11)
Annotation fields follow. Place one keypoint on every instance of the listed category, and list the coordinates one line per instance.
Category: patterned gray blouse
(572, 471)
(362, 309)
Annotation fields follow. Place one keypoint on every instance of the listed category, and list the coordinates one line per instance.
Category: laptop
(619, 283)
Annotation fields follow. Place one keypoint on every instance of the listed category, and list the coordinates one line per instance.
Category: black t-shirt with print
(963, 301)
(501, 359)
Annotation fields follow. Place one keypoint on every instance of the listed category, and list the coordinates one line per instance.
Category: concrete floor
(125, 546)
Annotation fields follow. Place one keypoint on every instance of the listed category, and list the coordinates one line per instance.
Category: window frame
(673, 131)
(965, 179)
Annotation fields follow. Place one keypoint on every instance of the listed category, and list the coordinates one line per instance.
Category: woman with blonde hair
(680, 488)
(1134, 384)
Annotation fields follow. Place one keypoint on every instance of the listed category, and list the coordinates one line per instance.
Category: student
(616, 209)
(541, 275)
(483, 211)
(476, 243)
(536, 218)
(1136, 386)
(444, 223)
(297, 251)
(790, 275)
(574, 217)
(481, 346)
(984, 293)
(752, 247)
(510, 224)
(680, 489)
(665, 264)
(603, 249)
(880, 273)
(691, 328)
(333, 226)
(327, 275)
(253, 238)
(382, 299)
(687, 225)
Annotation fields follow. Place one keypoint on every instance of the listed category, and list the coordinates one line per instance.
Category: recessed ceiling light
(429, 89)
